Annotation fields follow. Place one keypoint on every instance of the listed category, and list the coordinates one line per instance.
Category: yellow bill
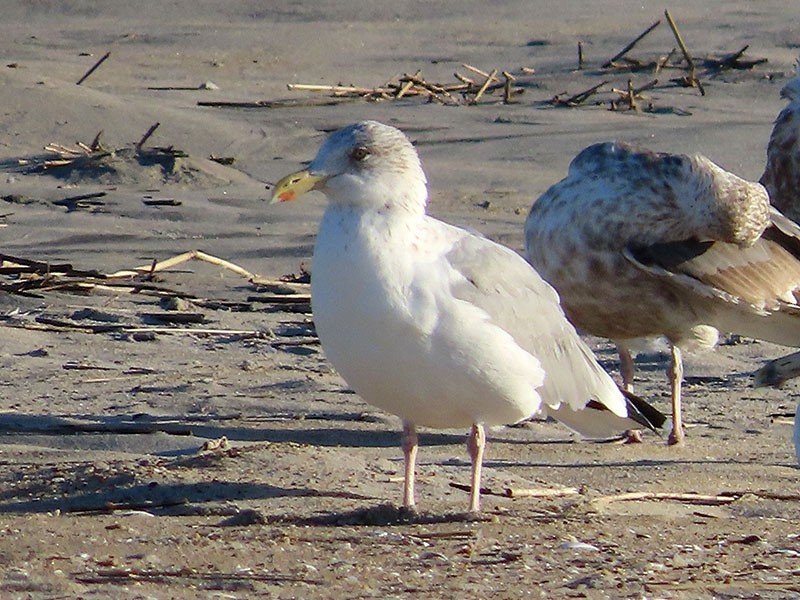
(295, 185)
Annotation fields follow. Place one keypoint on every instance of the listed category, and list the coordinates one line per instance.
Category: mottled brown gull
(643, 244)
(781, 174)
(781, 178)
(429, 322)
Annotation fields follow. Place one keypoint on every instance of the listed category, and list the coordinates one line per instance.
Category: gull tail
(643, 413)
(776, 372)
(596, 421)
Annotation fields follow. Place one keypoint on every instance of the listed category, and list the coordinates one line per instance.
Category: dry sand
(106, 490)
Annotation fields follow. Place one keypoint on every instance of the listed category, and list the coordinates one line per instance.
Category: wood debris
(477, 84)
(94, 67)
(733, 61)
(612, 61)
(97, 156)
(465, 90)
(181, 313)
(578, 98)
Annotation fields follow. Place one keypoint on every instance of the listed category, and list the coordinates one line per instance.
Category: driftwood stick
(540, 492)
(679, 39)
(580, 96)
(647, 86)
(407, 85)
(732, 58)
(433, 89)
(95, 145)
(677, 497)
(631, 95)
(146, 136)
(665, 61)
(489, 78)
(475, 70)
(463, 79)
(287, 103)
(180, 259)
(335, 89)
(627, 48)
(507, 87)
(520, 492)
(580, 56)
(94, 68)
(732, 61)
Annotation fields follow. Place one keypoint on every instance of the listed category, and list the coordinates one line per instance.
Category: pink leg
(410, 444)
(675, 374)
(626, 367)
(626, 370)
(476, 442)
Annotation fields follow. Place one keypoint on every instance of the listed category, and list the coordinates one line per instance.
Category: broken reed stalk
(95, 145)
(632, 96)
(732, 61)
(155, 266)
(630, 46)
(580, 56)
(665, 61)
(679, 39)
(520, 492)
(677, 497)
(507, 87)
(489, 78)
(462, 79)
(334, 89)
(146, 136)
(647, 86)
(580, 96)
(407, 85)
(475, 70)
(732, 58)
(94, 68)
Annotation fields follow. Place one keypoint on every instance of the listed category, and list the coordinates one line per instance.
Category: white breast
(389, 325)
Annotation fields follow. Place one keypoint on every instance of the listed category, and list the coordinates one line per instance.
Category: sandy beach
(179, 434)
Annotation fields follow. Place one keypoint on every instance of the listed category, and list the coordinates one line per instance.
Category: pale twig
(489, 78)
(180, 259)
(334, 89)
(475, 70)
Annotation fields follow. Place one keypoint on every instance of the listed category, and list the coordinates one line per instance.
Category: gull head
(367, 165)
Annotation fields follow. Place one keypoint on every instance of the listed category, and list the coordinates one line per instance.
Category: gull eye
(360, 154)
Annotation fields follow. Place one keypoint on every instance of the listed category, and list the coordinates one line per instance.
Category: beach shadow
(381, 515)
(105, 496)
(80, 430)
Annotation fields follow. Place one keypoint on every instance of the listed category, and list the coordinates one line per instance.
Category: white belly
(397, 349)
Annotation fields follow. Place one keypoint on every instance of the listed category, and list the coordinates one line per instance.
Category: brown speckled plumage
(782, 172)
(642, 244)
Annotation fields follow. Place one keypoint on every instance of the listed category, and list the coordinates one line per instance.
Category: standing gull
(441, 327)
(782, 179)
(782, 172)
(643, 244)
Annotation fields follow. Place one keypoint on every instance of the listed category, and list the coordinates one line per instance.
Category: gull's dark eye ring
(360, 154)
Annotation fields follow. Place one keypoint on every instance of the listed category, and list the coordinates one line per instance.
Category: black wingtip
(643, 413)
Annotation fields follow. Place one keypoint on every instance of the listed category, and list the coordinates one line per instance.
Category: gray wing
(501, 283)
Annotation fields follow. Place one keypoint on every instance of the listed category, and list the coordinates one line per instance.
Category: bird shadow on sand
(176, 435)
(380, 515)
(158, 499)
